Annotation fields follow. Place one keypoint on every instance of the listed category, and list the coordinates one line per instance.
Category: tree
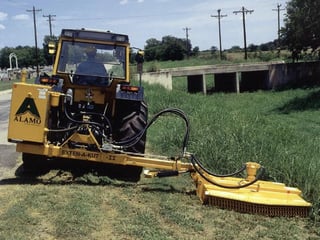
(4, 57)
(235, 48)
(269, 46)
(213, 50)
(169, 48)
(25, 54)
(172, 48)
(302, 26)
(252, 47)
(152, 49)
(195, 51)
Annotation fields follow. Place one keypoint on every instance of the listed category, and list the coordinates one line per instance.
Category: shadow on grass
(309, 102)
(82, 173)
(165, 188)
(73, 172)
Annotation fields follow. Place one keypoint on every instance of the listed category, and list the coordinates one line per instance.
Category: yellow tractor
(88, 110)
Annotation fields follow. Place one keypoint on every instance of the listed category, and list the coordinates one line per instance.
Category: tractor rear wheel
(132, 120)
(34, 162)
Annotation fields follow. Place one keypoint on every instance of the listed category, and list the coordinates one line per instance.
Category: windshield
(94, 64)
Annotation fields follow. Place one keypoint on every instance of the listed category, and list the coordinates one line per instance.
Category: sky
(143, 19)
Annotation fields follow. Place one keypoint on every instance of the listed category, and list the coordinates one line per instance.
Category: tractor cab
(92, 58)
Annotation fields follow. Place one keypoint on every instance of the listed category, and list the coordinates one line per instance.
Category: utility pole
(186, 29)
(279, 9)
(35, 35)
(219, 16)
(50, 19)
(244, 11)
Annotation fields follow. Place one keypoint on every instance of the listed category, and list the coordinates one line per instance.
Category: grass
(152, 209)
(277, 129)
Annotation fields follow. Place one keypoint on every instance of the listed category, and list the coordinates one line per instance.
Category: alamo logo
(28, 112)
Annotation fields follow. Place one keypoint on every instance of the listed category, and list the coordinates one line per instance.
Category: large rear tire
(33, 163)
(131, 120)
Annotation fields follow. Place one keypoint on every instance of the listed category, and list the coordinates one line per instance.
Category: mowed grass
(278, 129)
(151, 209)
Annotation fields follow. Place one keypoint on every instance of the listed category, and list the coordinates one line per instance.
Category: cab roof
(94, 35)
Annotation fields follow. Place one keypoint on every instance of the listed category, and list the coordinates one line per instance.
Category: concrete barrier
(294, 74)
(241, 77)
(162, 78)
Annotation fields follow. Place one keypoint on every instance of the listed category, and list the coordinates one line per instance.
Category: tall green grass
(280, 130)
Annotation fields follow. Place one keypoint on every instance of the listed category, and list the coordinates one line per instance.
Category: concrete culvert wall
(241, 77)
(294, 75)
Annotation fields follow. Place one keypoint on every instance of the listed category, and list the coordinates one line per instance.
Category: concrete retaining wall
(242, 78)
(161, 78)
(294, 74)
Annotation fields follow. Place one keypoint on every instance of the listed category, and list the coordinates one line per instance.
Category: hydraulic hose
(132, 141)
(215, 174)
(197, 165)
(194, 162)
(64, 129)
(100, 115)
(80, 122)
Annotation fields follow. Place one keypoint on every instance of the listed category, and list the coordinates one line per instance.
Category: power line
(244, 11)
(186, 29)
(50, 19)
(139, 16)
(219, 16)
(279, 9)
(35, 35)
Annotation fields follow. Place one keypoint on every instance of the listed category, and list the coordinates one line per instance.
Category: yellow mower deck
(262, 197)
